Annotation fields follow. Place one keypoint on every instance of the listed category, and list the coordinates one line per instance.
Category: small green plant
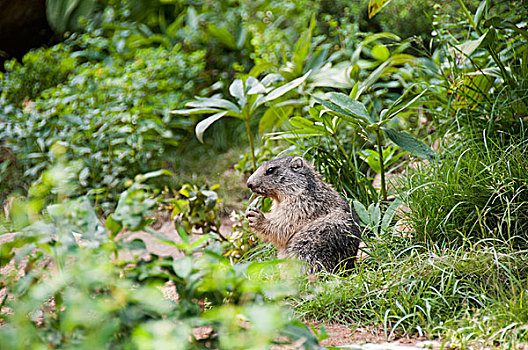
(326, 119)
(197, 210)
(351, 110)
(250, 95)
(40, 70)
(371, 217)
(241, 239)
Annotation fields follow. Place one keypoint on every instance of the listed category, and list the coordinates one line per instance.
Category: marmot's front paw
(254, 216)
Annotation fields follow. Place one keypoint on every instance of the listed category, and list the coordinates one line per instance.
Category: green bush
(479, 188)
(112, 115)
(40, 69)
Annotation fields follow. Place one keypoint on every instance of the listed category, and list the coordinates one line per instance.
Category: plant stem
(341, 148)
(468, 15)
(250, 138)
(383, 189)
(492, 52)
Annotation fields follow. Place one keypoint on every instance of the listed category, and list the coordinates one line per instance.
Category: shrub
(112, 115)
(40, 69)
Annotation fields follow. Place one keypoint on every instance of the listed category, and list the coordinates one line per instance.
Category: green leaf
(136, 244)
(351, 105)
(298, 134)
(468, 47)
(480, 10)
(64, 15)
(380, 52)
(361, 212)
(354, 92)
(236, 89)
(273, 116)
(372, 158)
(258, 88)
(298, 331)
(259, 68)
(396, 107)
(375, 6)
(195, 111)
(317, 60)
(353, 73)
(374, 216)
(278, 92)
(215, 103)
(371, 38)
(204, 124)
(271, 79)
(264, 204)
(113, 225)
(307, 125)
(182, 266)
(410, 143)
(255, 100)
(192, 18)
(249, 83)
(389, 213)
(242, 36)
(383, 69)
(342, 113)
(222, 35)
(143, 177)
(183, 234)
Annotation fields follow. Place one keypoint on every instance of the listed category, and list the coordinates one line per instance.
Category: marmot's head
(283, 177)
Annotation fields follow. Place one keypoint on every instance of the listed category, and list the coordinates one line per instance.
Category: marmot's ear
(296, 163)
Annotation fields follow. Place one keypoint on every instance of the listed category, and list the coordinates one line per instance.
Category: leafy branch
(249, 94)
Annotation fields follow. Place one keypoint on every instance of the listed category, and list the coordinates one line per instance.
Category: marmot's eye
(270, 171)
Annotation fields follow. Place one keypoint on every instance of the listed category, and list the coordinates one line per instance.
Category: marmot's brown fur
(309, 220)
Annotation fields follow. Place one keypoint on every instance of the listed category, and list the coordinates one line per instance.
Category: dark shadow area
(23, 26)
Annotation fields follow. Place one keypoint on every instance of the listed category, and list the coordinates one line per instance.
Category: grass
(479, 190)
(416, 292)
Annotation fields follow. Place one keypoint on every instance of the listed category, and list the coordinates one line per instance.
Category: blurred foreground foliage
(70, 281)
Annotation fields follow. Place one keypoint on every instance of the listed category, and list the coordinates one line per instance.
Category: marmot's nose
(250, 183)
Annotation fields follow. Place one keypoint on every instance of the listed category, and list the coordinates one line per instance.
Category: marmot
(309, 220)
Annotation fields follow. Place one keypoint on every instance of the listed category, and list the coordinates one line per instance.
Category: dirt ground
(343, 335)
